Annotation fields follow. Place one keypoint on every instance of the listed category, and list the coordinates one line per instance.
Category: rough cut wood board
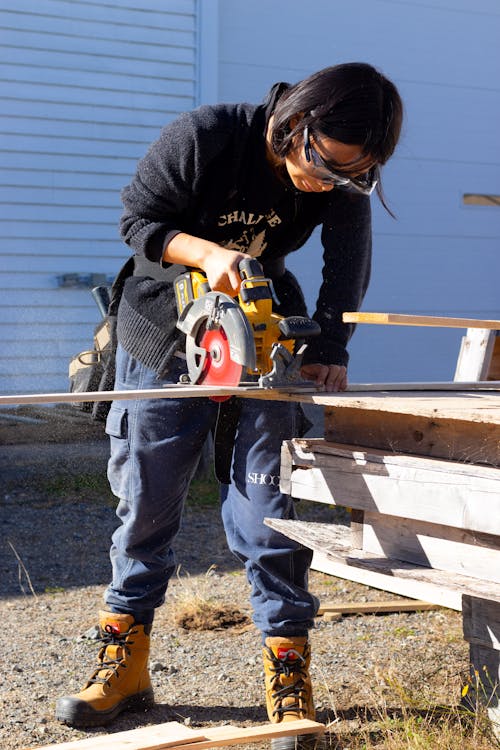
(481, 622)
(443, 597)
(412, 487)
(221, 736)
(169, 734)
(305, 395)
(396, 319)
(437, 586)
(172, 734)
(364, 608)
(476, 355)
(443, 434)
(466, 406)
(433, 545)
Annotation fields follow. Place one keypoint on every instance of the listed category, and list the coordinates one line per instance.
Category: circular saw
(233, 340)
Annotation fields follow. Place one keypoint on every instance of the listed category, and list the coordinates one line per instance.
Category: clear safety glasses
(364, 183)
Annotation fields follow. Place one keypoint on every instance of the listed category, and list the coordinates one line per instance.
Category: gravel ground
(57, 516)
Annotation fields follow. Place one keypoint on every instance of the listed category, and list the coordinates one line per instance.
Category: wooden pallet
(175, 735)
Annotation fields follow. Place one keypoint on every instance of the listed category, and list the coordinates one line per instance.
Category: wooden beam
(475, 356)
(465, 429)
(464, 496)
(481, 622)
(396, 319)
(435, 586)
(305, 394)
(241, 735)
(433, 545)
(172, 734)
(365, 608)
(169, 734)
(442, 596)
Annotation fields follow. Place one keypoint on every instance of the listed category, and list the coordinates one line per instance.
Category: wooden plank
(305, 450)
(257, 734)
(481, 622)
(169, 734)
(474, 358)
(307, 394)
(469, 406)
(394, 605)
(173, 734)
(440, 492)
(486, 663)
(437, 583)
(494, 369)
(443, 597)
(356, 526)
(457, 432)
(434, 545)
(485, 684)
(396, 319)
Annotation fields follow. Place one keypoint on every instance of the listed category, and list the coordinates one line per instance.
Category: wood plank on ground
(365, 608)
(169, 734)
(240, 735)
(397, 319)
(172, 734)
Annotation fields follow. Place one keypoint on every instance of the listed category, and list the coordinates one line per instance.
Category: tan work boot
(121, 679)
(288, 687)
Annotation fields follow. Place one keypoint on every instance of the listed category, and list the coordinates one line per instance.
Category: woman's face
(309, 178)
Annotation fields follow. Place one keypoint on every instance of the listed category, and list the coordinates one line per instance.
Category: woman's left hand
(333, 377)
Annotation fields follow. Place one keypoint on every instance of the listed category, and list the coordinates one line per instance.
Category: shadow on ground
(57, 513)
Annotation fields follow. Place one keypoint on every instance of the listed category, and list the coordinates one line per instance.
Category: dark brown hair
(352, 103)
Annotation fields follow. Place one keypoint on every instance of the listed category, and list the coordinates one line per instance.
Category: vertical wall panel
(439, 256)
(84, 88)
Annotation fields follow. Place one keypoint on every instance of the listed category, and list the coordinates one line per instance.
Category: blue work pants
(155, 448)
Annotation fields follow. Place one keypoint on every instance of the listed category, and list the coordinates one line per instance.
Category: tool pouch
(94, 370)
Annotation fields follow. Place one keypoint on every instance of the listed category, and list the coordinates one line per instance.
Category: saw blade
(208, 358)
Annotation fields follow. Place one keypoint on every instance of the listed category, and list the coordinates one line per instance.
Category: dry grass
(402, 720)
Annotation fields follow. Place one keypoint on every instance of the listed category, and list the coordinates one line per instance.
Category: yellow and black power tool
(235, 340)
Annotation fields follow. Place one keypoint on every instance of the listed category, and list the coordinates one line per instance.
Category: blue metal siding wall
(84, 88)
(439, 257)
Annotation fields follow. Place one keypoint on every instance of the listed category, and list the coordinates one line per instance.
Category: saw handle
(254, 285)
(298, 327)
(250, 268)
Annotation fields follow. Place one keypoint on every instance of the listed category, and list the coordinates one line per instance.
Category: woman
(221, 183)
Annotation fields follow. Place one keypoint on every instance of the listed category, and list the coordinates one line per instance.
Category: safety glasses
(364, 183)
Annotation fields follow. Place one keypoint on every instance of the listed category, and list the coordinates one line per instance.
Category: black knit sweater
(208, 175)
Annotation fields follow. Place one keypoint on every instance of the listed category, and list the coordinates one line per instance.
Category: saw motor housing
(248, 331)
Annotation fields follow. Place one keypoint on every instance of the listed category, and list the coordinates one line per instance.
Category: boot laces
(111, 637)
(292, 664)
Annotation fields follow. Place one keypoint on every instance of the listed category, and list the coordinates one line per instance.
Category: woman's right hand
(221, 267)
(219, 264)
